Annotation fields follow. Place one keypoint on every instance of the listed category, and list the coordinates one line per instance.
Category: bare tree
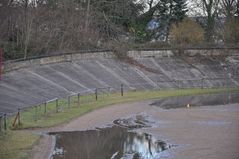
(210, 7)
(228, 8)
(87, 16)
(237, 8)
(230, 32)
(206, 11)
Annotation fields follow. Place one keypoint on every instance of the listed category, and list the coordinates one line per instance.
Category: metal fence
(3, 122)
(89, 96)
(56, 105)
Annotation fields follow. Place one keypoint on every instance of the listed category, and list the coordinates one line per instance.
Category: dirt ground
(208, 132)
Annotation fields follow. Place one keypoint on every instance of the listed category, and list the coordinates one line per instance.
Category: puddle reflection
(199, 100)
(107, 143)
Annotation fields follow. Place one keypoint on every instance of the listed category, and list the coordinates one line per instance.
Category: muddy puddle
(199, 100)
(120, 141)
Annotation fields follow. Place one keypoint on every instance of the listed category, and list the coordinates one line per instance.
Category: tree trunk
(87, 16)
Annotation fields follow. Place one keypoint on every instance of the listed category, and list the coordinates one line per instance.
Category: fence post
(1, 63)
(35, 113)
(5, 122)
(96, 94)
(69, 101)
(178, 83)
(202, 86)
(78, 99)
(19, 116)
(109, 88)
(45, 107)
(1, 123)
(39, 108)
(122, 89)
(57, 105)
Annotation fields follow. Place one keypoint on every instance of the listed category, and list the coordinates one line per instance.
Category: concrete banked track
(33, 85)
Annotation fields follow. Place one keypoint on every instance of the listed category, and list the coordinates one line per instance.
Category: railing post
(1, 63)
(96, 94)
(78, 99)
(57, 105)
(39, 108)
(69, 101)
(122, 89)
(35, 113)
(202, 86)
(5, 121)
(109, 89)
(19, 116)
(1, 123)
(178, 84)
(45, 107)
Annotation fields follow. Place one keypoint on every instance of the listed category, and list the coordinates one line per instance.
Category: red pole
(1, 62)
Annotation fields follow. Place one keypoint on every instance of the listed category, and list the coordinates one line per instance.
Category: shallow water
(122, 142)
(107, 143)
(199, 100)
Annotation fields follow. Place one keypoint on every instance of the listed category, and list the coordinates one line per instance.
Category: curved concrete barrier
(35, 81)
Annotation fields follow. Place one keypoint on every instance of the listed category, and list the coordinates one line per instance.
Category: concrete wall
(35, 81)
(12, 65)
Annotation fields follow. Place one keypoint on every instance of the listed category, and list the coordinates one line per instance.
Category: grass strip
(32, 118)
(17, 144)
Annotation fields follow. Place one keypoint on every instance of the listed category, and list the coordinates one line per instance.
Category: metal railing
(3, 122)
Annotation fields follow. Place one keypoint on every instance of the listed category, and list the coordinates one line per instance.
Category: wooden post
(122, 90)
(16, 118)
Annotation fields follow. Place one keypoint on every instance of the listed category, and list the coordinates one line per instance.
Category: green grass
(16, 144)
(29, 119)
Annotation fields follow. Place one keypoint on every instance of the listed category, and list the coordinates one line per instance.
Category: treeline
(37, 27)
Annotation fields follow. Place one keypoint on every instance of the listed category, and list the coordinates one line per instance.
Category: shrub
(231, 31)
(186, 32)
